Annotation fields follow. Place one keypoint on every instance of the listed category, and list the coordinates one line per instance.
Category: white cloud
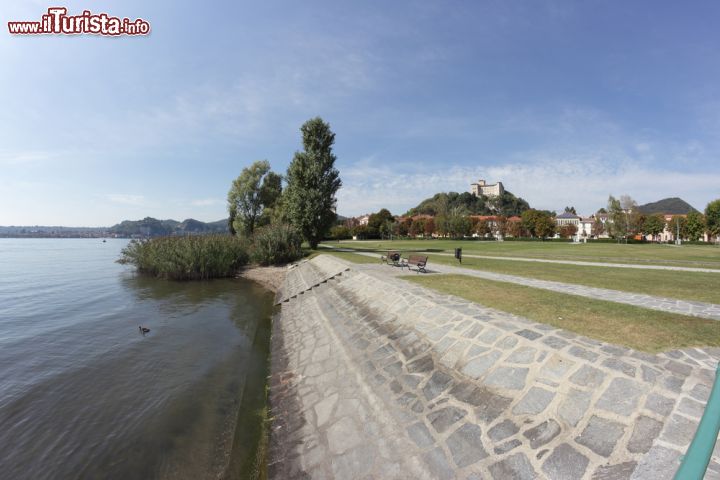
(23, 158)
(126, 199)
(206, 202)
(545, 181)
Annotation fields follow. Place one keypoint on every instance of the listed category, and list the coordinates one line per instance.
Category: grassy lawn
(706, 256)
(634, 327)
(703, 287)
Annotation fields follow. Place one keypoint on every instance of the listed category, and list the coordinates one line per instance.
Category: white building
(482, 188)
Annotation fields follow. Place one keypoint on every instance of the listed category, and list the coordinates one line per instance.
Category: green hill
(670, 206)
(152, 227)
(507, 204)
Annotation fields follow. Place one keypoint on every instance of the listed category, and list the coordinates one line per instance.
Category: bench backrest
(415, 259)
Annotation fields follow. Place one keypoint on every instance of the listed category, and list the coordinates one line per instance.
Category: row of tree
(455, 224)
(625, 220)
(307, 202)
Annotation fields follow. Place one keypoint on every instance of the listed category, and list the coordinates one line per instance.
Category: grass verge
(702, 287)
(706, 256)
(635, 327)
(350, 257)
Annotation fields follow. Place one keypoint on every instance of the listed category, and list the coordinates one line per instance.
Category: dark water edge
(248, 458)
(84, 395)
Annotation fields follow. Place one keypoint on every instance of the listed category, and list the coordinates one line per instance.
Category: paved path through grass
(592, 264)
(375, 377)
(663, 304)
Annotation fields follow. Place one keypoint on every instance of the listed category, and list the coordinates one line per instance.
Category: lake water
(84, 395)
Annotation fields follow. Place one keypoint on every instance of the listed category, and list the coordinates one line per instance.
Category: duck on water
(143, 330)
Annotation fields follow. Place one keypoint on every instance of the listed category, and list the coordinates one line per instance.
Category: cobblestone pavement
(672, 305)
(374, 377)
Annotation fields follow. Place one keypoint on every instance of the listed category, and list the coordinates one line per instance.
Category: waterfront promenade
(376, 377)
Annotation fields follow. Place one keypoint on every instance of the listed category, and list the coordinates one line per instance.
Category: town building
(489, 190)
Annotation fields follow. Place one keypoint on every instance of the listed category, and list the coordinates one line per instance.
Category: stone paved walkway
(664, 304)
(374, 377)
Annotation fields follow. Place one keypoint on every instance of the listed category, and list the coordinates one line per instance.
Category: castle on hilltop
(482, 188)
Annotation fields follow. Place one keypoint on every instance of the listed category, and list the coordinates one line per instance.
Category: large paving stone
(466, 445)
(323, 409)
(659, 404)
(542, 434)
(620, 366)
(660, 463)
(511, 378)
(645, 432)
(556, 367)
(529, 334)
(515, 467)
(438, 464)
(478, 366)
(446, 417)
(359, 459)
(565, 463)
(535, 401)
(523, 355)
(503, 448)
(583, 353)
(503, 430)
(437, 384)
(574, 406)
(420, 434)
(691, 407)
(601, 435)
(421, 365)
(588, 376)
(343, 435)
(621, 471)
(555, 342)
(679, 430)
(489, 336)
(621, 396)
(507, 343)
(491, 405)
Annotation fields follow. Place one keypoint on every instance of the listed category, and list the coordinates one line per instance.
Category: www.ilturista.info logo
(57, 21)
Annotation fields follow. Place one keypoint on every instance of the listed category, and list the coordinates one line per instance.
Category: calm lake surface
(84, 395)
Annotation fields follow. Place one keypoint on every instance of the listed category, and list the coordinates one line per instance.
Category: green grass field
(635, 327)
(705, 256)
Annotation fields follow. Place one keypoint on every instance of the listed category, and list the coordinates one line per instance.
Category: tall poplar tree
(312, 181)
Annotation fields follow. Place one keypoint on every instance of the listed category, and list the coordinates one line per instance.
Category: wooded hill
(152, 227)
(507, 204)
(670, 206)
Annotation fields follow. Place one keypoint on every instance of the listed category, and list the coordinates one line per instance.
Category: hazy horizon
(565, 103)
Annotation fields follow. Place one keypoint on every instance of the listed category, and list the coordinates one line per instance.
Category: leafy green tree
(482, 228)
(312, 181)
(567, 231)
(712, 218)
(570, 210)
(694, 226)
(254, 190)
(617, 226)
(653, 225)
(429, 225)
(377, 220)
(538, 223)
(544, 226)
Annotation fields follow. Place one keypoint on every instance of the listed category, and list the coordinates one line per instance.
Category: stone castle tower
(482, 188)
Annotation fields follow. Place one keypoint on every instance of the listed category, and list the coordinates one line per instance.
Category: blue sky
(564, 102)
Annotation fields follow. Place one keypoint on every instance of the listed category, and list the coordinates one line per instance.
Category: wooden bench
(391, 258)
(417, 261)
